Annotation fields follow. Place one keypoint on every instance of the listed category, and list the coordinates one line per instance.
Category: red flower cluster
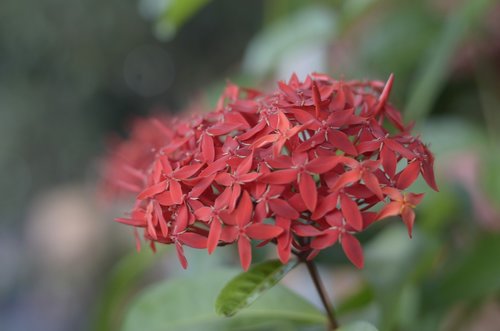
(304, 167)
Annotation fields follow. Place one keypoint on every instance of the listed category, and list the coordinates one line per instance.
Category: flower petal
(233, 198)
(203, 213)
(414, 198)
(229, 234)
(297, 203)
(182, 218)
(351, 212)
(284, 246)
(391, 209)
(152, 190)
(201, 186)
(283, 122)
(245, 252)
(427, 171)
(194, 240)
(245, 165)
(131, 221)
(187, 171)
(180, 255)
(312, 142)
(393, 193)
(176, 192)
(288, 91)
(316, 98)
(305, 230)
(207, 148)
(345, 179)
(149, 221)
(353, 249)
(408, 175)
(250, 177)
(137, 240)
(161, 219)
(243, 214)
(223, 128)
(282, 208)
(408, 216)
(373, 184)
(214, 235)
(384, 96)
(222, 200)
(224, 179)
(389, 161)
(308, 191)
(325, 240)
(252, 131)
(304, 117)
(325, 205)
(285, 176)
(323, 164)
(368, 146)
(165, 199)
(398, 148)
(368, 219)
(262, 141)
(260, 231)
(335, 219)
(214, 167)
(341, 141)
(338, 101)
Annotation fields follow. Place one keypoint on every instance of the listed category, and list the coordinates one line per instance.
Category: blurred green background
(74, 73)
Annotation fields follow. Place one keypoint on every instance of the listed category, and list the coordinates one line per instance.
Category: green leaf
(176, 14)
(121, 282)
(400, 20)
(186, 304)
(359, 300)
(245, 288)
(435, 67)
(392, 262)
(474, 276)
(181, 10)
(286, 39)
(358, 326)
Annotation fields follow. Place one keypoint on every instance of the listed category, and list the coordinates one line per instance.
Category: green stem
(313, 271)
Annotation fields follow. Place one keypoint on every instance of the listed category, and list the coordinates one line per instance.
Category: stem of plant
(330, 313)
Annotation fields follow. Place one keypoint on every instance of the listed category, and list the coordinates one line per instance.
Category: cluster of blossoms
(304, 167)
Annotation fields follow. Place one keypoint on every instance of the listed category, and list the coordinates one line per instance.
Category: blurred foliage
(288, 38)
(174, 15)
(72, 72)
(435, 65)
(58, 89)
(467, 276)
(64, 83)
(358, 326)
(121, 283)
(409, 284)
(187, 304)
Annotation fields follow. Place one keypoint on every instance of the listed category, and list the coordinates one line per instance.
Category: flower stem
(313, 271)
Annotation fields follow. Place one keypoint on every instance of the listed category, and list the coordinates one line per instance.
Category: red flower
(303, 167)
(402, 204)
(244, 230)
